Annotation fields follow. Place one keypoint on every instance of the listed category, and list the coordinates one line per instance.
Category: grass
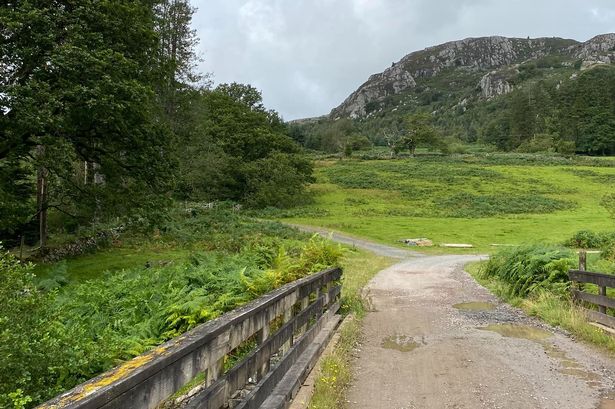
(480, 199)
(91, 266)
(335, 372)
(551, 308)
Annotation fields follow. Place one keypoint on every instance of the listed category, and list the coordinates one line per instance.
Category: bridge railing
(601, 300)
(272, 332)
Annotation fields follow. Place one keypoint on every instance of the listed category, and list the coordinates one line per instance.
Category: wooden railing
(602, 300)
(279, 327)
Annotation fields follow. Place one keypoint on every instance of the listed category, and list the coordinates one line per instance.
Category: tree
(240, 151)
(177, 58)
(586, 114)
(420, 131)
(77, 86)
(522, 118)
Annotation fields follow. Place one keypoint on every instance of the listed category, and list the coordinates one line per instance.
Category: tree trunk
(41, 203)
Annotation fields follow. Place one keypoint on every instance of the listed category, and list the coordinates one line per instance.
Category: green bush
(37, 357)
(530, 269)
(587, 239)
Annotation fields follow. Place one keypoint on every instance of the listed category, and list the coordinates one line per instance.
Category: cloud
(307, 56)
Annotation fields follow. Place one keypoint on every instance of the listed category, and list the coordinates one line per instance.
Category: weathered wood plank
(600, 318)
(237, 377)
(600, 279)
(262, 391)
(594, 299)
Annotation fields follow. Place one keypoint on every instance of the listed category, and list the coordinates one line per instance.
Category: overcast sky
(307, 56)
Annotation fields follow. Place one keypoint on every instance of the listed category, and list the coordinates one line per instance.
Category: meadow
(484, 199)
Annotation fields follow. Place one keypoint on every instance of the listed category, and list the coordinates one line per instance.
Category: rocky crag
(487, 66)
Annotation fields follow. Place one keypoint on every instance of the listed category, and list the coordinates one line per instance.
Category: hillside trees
(587, 112)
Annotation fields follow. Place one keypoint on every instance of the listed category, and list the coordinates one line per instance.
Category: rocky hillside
(461, 73)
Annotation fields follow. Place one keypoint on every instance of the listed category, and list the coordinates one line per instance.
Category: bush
(34, 346)
(586, 239)
(530, 269)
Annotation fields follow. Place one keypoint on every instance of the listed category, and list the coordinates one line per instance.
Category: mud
(518, 331)
(474, 306)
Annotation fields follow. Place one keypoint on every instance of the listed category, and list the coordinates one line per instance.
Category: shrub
(587, 239)
(33, 345)
(532, 268)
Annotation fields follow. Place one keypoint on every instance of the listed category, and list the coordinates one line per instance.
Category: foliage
(530, 269)
(56, 118)
(30, 335)
(420, 132)
(89, 326)
(587, 239)
(466, 204)
(431, 182)
(237, 150)
(317, 254)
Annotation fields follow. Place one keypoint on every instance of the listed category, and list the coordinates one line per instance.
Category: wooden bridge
(282, 333)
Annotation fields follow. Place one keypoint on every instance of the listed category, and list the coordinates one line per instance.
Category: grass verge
(335, 369)
(549, 307)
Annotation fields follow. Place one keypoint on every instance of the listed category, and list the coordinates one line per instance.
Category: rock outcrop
(493, 84)
(488, 57)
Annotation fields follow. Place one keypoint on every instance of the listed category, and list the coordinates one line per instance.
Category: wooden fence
(274, 332)
(602, 300)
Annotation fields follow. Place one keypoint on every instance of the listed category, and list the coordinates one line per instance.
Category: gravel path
(379, 249)
(419, 351)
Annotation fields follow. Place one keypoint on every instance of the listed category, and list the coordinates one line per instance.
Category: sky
(307, 56)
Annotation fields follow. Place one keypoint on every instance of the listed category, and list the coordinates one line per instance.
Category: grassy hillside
(480, 199)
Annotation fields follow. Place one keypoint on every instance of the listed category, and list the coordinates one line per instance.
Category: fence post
(582, 267)
(602, 308)
(582, 260)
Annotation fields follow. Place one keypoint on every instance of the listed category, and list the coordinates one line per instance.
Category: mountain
(543, 94)
(491, 64)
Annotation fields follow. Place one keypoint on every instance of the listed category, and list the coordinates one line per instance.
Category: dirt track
(421, 352)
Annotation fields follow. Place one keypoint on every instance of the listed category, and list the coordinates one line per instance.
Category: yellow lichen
(105, 379)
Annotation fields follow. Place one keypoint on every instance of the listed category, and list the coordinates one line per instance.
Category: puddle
(554, 352)
(608, 402)
(401, 343)
(570, 364)
(581, 374)
(572, 367)
(518, 331)
(474, 306)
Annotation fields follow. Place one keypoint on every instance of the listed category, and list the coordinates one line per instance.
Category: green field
(481, 199)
